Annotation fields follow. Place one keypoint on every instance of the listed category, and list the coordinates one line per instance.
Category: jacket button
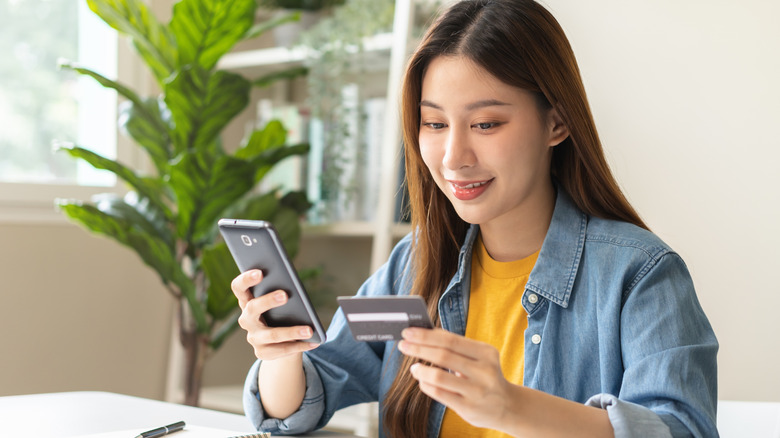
(533, 298)
(536, 339)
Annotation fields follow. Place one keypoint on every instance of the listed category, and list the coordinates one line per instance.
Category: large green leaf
(290, 73)
(104, 81)
(257, 207)
(288, 223)
(264, 26)
(273, 135)
(220, 270)
(221, 333)
(202, 104)
(207, 29)
(266, 160)
(114, 223)
(144, 123)
(152, 40)
(146, 187)
(204, 188)
(297, 201)
(154, 252)
(140, 118)
(136, 212)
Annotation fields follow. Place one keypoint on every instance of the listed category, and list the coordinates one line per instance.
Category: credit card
(382, 318)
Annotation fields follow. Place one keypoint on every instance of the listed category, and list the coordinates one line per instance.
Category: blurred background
(685, 96)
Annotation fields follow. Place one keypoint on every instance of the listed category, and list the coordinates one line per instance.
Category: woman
(559, 313)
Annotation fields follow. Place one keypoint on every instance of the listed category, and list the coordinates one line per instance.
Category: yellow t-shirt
(496, 316)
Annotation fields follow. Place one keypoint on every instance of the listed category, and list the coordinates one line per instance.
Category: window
(40, 104)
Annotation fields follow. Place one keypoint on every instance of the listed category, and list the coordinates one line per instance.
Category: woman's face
(487, 144)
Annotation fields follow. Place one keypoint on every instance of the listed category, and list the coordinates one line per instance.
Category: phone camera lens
(247, 241)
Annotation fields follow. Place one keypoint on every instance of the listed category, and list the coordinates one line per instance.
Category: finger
(251, 316)
(443, 339)
(441, 357)
(279, 335)
(278, 351)
(241, 284)
(440, 379)
(447, 398)
(459, 394)
(257, 306)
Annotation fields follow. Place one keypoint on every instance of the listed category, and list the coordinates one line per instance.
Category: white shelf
(273, 56)
(280, 56)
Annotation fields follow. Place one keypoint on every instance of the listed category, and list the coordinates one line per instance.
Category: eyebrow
(471, 106)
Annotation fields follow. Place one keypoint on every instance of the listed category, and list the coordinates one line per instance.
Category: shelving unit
(360, 241)
(275, 57)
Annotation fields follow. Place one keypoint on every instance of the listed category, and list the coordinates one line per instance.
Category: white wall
(686, 96)
(78, 312)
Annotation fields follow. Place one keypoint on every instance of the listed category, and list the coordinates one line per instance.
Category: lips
(468, 190)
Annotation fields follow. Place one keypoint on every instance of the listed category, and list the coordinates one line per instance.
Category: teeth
(471, 186)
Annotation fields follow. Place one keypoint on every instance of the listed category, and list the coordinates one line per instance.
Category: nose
(457, 151)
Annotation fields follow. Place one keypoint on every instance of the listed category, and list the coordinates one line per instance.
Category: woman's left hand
(466, 376)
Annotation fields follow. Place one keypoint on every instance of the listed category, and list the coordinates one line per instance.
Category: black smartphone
(256, 245)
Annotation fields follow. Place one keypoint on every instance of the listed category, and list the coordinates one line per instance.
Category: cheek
(430, 155)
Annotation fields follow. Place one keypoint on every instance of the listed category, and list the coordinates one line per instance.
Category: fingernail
(409, 333)
(402, 346)
(254, 275)
(280, 297)
(305, 332)
(414, 367)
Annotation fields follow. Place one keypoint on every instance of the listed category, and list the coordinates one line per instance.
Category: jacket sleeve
(669, 356)
(629, 419)
(303, 420)
(339, 373)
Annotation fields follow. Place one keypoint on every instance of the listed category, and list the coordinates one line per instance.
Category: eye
(484, 126)
(434, 126)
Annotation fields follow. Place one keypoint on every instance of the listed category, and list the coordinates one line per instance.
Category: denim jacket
(613, 322)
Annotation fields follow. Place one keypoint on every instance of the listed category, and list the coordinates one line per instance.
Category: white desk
(740, 419)
(71, 414)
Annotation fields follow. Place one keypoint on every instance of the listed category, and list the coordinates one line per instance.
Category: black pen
(160, 431)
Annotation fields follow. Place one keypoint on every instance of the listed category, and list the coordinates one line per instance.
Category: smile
(468, 190)
(471, 186)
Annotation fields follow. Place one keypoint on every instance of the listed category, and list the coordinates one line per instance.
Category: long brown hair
(520, 43)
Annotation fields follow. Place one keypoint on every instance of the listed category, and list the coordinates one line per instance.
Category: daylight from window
(41, 104)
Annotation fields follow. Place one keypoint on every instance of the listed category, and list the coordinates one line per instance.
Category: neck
(521, 234)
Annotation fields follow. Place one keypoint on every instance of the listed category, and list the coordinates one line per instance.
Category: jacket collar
(556, 268)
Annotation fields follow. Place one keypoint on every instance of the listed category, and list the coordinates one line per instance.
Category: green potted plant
(169, 217)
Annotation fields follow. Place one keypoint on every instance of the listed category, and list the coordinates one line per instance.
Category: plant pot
(287, 34)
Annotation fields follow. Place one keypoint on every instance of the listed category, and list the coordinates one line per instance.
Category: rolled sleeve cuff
(304, 420)
(629, 419)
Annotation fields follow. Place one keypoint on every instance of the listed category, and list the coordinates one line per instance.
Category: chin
(471, 214)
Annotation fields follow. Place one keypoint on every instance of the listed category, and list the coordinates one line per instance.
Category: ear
(558, 131)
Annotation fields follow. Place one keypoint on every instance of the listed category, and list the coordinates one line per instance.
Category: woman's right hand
(281, 380)
(269, 343)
